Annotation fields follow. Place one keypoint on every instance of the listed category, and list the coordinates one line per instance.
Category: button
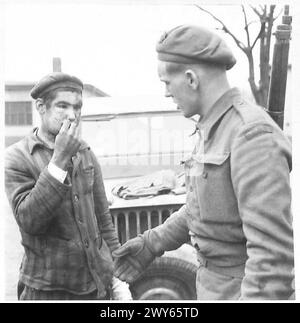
(204, 175)
(86, 243)
(76, 198)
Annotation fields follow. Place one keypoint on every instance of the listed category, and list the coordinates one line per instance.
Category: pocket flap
(186, 158)
(212, 158)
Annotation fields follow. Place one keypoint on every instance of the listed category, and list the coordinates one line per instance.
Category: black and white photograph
(147, 151)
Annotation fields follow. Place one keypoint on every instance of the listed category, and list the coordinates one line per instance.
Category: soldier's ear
(192, 79)
(40, 106)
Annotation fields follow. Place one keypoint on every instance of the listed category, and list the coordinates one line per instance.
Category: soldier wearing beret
(238, 207)
(54, 185)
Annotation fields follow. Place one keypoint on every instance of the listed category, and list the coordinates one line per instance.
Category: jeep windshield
(135, 136)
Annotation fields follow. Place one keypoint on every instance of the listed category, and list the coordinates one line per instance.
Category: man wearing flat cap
(54, 185)
(238, 206)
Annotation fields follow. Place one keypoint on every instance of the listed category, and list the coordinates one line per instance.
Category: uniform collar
(34, 141)
(219, 108)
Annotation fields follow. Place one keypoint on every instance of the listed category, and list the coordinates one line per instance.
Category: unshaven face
(66, 105)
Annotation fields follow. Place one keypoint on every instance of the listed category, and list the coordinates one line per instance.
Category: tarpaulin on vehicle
(157, 183)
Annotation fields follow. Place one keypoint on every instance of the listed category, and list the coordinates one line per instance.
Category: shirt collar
(34, 141)
(219, 108)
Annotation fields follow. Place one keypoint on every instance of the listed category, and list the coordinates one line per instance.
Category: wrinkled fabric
(30, 294)
(66, 228)
(215, 286)
(238, 205)
(157, 183)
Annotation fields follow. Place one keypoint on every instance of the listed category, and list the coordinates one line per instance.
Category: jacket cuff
(56, 186)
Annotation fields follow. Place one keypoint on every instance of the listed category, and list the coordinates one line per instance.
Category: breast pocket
(214, 187)
(193, 168)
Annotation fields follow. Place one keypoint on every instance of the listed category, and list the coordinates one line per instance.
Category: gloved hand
(120, 290)
(132, 259)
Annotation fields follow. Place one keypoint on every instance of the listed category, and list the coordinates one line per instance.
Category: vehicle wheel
(166, 279)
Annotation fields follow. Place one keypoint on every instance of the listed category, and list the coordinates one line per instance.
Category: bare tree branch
(278, 15)
(263, 8)
(262, 28)
(270, 26)
(256, 11)
(265, 14)
(252, 22)
(226, 30)
(246, 26)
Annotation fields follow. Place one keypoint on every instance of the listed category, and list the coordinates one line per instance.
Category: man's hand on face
(67, 143)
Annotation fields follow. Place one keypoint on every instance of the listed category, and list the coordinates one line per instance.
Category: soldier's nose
(167, 94)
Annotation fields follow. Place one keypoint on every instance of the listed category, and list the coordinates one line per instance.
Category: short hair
(174, 68)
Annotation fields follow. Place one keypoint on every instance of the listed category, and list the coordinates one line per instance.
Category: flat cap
(190, 44)
(53, 81)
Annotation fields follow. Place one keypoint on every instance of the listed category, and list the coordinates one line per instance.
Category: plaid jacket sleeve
(106, 226)
(33, 200)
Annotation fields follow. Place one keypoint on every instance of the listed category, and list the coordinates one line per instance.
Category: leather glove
(132, 259)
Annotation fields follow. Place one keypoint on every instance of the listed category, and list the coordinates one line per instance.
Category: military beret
(53, 81)
(189, 44)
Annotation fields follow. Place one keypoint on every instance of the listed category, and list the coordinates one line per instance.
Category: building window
(18, 113)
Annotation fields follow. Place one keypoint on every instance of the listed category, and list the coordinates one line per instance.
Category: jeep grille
(133, 221)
